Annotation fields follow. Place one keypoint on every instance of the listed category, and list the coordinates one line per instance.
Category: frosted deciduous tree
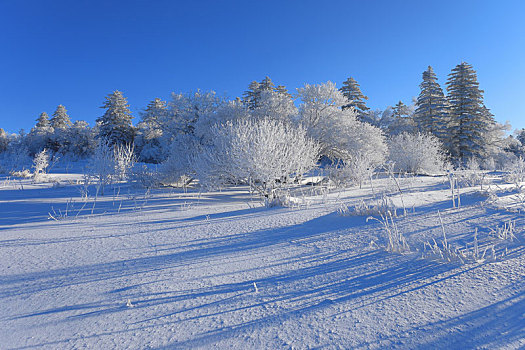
(352, 91)
(469, 119)
(338, 131)
(185, 110)
(431, 107)
(40, 163)
(263, 153)
(416, 153)
(275, 105)
(115, 125)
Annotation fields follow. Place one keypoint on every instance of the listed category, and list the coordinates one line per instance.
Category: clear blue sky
(76, 52)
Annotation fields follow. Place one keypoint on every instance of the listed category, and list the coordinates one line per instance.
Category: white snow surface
(174, 269)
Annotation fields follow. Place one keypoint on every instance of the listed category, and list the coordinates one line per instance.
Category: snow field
(176, 270)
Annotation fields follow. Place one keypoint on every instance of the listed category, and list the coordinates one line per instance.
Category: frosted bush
(416, 153)
(516, 171)
(264, 153)
(102, 166)
(40, 163)
(124, 159)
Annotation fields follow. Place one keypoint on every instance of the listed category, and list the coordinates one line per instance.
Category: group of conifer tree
(460, 119)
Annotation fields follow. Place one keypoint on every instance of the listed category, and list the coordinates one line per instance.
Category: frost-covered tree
(60, 123)
(251, 97)
(148, 141)
(431, 107)
(60, 119)
(185, 110)
(40, 163)
(401, 120)
(275, 105)
(263, 153)
(4, 140)
(352, 91)
(520, 136)
(40, 135)
(115, 125)
(416, 153)
(469, 118)
(42, 122)
(338, 131)
(81, 140)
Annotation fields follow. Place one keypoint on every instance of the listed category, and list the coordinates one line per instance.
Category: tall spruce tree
(469, 118)
(60, 118)
(352, 91)
(431, 106)
(115, 125)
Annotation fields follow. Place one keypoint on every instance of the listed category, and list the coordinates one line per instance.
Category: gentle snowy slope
(177, 270)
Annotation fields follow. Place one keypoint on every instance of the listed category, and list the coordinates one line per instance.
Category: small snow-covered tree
(102, 165)
(416, 153)
(263, 153)
(352, 91)
(40, 163)
(115, 125)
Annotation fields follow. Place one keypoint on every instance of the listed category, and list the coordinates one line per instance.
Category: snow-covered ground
(169, 268)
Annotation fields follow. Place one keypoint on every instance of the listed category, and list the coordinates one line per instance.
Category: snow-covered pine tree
(400, 110)
(115, 125)
(352, 91)
(42, 121)
(251, 96)
(60, 118)
(431, 106)
(40, 135)
(60, 123)
(149, 132)
(469, 118)
(520, 136)
(402, 119)
(281, 89)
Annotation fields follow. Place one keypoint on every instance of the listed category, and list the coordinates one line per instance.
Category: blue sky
(76, 52)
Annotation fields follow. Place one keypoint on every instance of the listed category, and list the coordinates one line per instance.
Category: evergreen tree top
(60, 118)
(251, 96)
(43, 120)
(352, 91)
